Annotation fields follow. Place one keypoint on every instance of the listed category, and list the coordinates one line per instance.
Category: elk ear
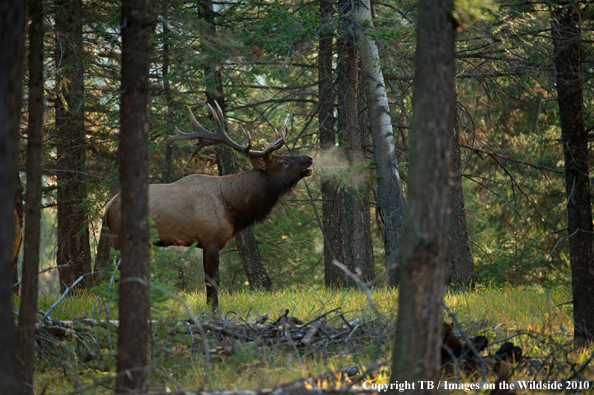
(258, 163)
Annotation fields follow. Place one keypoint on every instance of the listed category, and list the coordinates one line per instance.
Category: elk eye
(282, 163)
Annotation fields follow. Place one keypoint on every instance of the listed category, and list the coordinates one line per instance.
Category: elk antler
(206, 138)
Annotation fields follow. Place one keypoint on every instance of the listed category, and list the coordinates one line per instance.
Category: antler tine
(195, 124)
(192, 156)
(279, 141)
(198, 130)
(247, 139)
(220, 112)
(218, 116)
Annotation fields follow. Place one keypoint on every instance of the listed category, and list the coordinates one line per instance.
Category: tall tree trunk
(567, 45)
(353, 222)
(346, 106)
(247, 245)
(390, 195)
(18, 225)
(167, 171)
(12, 49)
(416, 353)
(134, 237)
(73, 230)
(167, 167)
(365, 248)
(459, 265)
(29, 287)
(326, 119)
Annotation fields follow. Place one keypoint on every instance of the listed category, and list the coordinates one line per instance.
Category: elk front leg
(211, 275)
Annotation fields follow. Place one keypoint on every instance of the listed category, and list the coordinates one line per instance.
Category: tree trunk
(134, 237)
(246, 242)
(30, 283)
(12, 49)
(567, 45)
(416, 353)
(459, 265)
(354, 216)
(364, 181)
(390, 195)
(18, 225)
(346, 107)
(326, 119)
(167, 172)
(73, 230)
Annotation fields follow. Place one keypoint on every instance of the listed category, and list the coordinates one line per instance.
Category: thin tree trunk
(346, 106)
(167, 168)
(18, 225)
(567, 45)
(390, 195)
(247, 245)
(253, 266)
(134, 237)
(167, 172)
(73, 230)
(365, 249)
(417, 347)
(460, 265)
(12, 49)
(30, 283)
(326, 119)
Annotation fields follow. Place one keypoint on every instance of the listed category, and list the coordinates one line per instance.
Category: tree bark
(346, 107)
(12, 49)
(354, 212)
(567, 45)
(73, 231)
(459, 265)
(390, 195)
(30, 283)
(167, 172)
(416, 353)
(326, 119)
(134, 237)
(18, 225)
(365, 249)
(247, 245)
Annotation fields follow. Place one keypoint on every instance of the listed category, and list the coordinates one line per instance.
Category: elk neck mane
(250, 196)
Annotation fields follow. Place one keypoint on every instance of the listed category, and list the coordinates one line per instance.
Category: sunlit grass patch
(514, 308)
(177, 360)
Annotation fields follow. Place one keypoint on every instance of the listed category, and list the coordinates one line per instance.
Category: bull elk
(210, 210)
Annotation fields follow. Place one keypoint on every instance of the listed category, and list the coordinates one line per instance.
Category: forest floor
(287, 339)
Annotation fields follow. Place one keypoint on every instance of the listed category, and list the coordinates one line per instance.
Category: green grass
(306, 302)
(177, 360)
(514, 308)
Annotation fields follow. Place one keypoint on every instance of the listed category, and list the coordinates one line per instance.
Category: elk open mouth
(307, 172)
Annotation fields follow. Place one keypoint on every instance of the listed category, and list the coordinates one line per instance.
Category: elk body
(210, 210)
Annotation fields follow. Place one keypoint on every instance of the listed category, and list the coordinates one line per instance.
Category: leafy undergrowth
(260, 339)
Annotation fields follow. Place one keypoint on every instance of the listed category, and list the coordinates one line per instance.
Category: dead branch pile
(321, 334)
